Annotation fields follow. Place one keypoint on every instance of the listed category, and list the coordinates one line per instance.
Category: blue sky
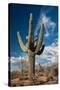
(19, 21)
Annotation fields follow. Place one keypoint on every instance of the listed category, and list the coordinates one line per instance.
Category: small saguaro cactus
(22, 65)
(30, 48)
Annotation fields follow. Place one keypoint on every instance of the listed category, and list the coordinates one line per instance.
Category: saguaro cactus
(22, 65)
(30, 48)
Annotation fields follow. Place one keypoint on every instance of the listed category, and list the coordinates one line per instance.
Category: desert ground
(43, 75)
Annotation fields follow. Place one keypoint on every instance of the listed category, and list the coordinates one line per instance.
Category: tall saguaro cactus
(30, 48)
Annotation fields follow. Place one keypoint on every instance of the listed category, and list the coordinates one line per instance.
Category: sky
(19, 21)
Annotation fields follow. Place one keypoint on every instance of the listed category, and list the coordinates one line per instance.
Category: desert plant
(30, 48)
(22, 66)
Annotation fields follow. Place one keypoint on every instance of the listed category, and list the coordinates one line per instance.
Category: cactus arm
(41, 50)
(30, 30)
(23, 47)
(40, 39)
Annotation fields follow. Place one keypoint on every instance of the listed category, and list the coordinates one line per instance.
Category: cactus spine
(30, 48)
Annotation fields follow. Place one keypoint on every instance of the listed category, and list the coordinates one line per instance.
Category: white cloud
(50, 54)
(47, 34)
(48, 23)
(14, 60)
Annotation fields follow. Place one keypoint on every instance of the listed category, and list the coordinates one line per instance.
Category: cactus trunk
(31, 66)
